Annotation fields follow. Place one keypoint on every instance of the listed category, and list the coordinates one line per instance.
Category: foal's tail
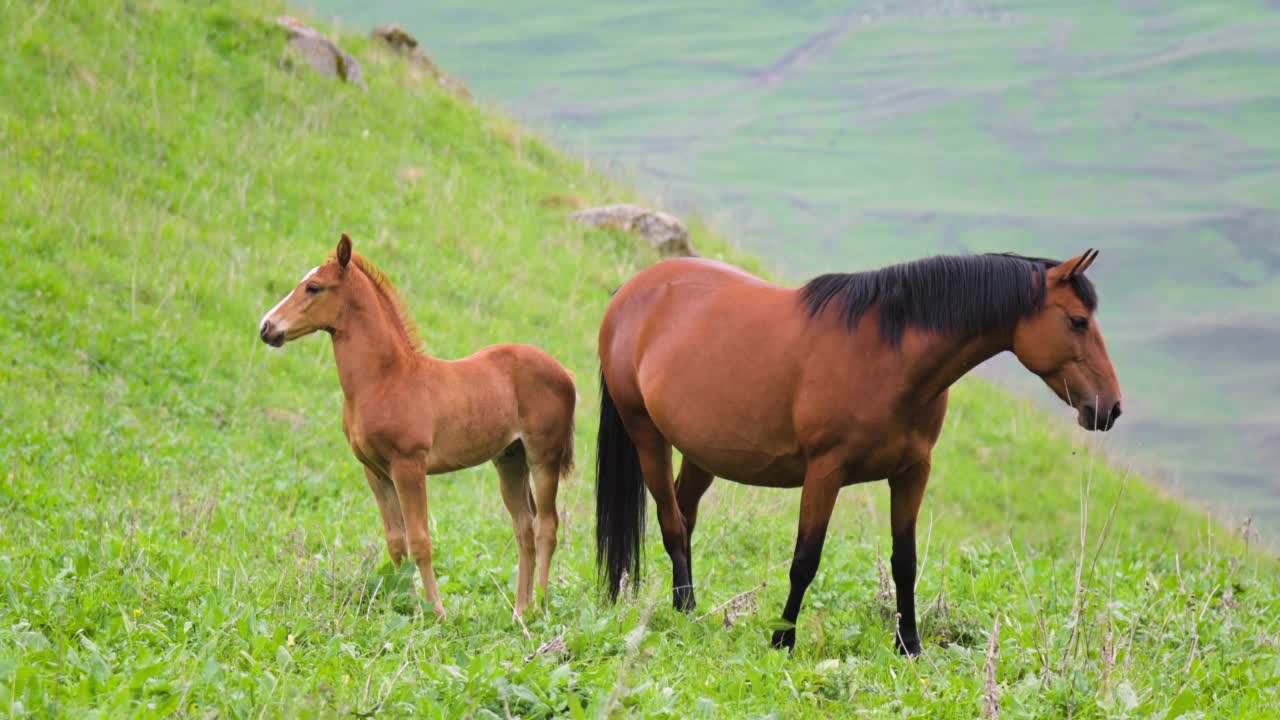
(567, 460)
(620, 500)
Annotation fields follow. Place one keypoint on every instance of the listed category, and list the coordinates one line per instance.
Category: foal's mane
(390, 299)
(960, 294)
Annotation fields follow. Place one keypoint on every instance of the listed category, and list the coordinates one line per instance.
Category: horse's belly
(457, 450)
(778, 473)
(734, 454)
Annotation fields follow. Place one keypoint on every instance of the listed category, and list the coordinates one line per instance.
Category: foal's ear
(1075, 266)
(344, 251)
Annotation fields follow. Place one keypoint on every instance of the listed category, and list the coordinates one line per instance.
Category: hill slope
(184, 531)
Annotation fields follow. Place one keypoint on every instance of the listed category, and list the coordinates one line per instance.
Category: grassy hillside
(183, 531)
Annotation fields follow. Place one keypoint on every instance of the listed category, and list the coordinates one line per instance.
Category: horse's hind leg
(655, 465)
(691, 484)
(547, 429)
(546, 483)
(513, 472)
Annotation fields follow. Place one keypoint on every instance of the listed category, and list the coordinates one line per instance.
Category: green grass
(184, 533)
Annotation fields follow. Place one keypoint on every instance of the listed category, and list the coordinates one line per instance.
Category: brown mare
(841, 381)
(407, 415)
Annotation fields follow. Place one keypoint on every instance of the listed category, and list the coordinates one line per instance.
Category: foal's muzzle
(1090, 419)
(270, 335)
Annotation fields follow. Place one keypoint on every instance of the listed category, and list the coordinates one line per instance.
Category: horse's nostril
(1115, 412)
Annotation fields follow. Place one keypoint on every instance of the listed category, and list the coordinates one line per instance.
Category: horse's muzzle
(1091, 420)
(269, 334)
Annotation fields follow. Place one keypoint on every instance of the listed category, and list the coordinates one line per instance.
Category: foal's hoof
(784, 639)
(439, 610)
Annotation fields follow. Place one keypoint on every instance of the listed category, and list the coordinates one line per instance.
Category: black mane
(960, 294)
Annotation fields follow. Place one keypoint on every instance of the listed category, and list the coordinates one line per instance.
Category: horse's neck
(943, 359)
(367, 348)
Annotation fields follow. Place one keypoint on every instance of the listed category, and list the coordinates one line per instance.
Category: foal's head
(315, 304)
(1062, 344)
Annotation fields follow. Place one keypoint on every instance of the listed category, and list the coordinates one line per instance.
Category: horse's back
(523, 370)
(679, 291)
(687, 271)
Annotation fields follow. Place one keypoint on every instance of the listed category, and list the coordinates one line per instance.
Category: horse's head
(1062, 344)
(315, 304)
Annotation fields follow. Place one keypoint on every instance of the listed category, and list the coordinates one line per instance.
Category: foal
(407, 415)
(842, 381)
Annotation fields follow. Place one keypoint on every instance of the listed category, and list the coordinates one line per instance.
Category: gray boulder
(319, 52)
(663, 231)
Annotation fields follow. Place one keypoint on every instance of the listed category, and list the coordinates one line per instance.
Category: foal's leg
(655, 465)
(817, 499)
(906, 491)
(392, 520)
(546, 483)
(410, 478)
(514, 475)
(691, 484)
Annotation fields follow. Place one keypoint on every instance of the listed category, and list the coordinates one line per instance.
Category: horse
(407, 415)
(841, 381)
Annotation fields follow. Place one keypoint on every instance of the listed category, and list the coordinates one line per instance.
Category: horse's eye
(313, 289)
(1079, 323)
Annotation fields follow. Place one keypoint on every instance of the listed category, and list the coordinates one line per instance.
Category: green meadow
(184, 533)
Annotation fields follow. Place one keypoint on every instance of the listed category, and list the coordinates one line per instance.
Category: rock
(396, 37)
(663, 231)
(320, 52)
(402, 43)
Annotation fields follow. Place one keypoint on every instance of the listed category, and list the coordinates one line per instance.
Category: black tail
(620, 500)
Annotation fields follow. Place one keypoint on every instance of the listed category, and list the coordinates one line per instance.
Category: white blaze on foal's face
(276, 307)
(302, 311)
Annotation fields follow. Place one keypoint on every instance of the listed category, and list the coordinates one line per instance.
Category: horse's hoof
(439, 610)
(683, 601)
(784, 640)
(910, 647)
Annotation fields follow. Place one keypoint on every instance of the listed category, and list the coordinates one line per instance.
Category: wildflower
(289, 641)
(137, 612)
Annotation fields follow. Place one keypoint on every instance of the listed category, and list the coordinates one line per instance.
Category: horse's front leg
(384, 492)
(410, 478)
(817, 499)
(906, 491)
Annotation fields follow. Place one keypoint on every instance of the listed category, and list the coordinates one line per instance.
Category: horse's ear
(344, 251)
(1075, 266)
